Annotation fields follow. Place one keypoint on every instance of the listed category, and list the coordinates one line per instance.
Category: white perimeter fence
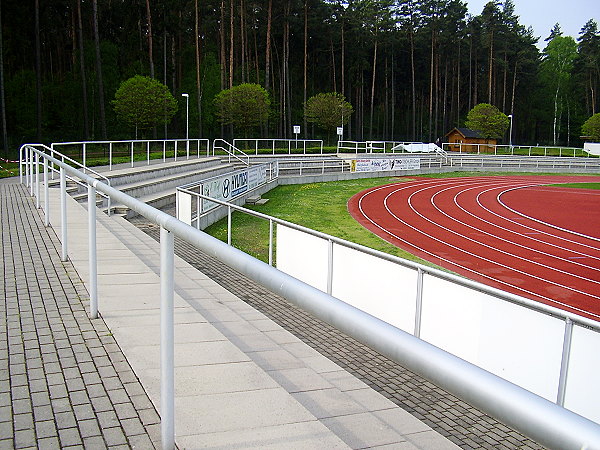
(280, 146)
(540, 419)
(143, 149)
(545, 350)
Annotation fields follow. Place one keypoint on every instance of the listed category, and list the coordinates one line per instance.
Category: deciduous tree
(245, 106)
(144, 102)
(591, 128)
(488, 120)
(328, 110)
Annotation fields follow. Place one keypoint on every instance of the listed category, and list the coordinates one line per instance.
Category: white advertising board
(229, 186)
(385, 164)
(183, 204)
(513, 342)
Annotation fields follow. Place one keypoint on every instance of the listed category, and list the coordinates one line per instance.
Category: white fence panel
(302, 256)
(583, 389)
(184, 207)
(381, 288)
(516, 343)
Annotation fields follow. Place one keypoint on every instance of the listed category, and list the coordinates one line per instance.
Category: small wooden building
(469, 141)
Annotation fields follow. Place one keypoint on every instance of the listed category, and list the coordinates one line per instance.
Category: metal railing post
(164, 150)
(228, 225)
(148, 151)
(175, 149)
(63, 214)
(93, 264)
(21, 165)
(419, 303)
(270, 242)
(564, 364)
(330, 267)
(84, 157)
(46, 195)
(167, 339)
(37, 180)
(31, 180)
(110, 152)
(131, 153)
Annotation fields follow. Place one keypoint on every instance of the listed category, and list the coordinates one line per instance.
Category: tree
(488, 120)
(244, 106)
(557, 65)
(328, 110)
(99, 69)
(144, 102)
(591, 128)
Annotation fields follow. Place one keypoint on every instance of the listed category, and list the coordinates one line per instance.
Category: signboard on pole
(340, 131)
(296, 129)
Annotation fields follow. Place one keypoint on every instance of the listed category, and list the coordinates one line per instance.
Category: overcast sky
(543, 14)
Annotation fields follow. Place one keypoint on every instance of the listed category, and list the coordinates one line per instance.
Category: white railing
(466, 161)
(221, 145)
(279, 146)
(371, 146)
(30, 170)
(170, 148)
(514, 150)
(543, 421)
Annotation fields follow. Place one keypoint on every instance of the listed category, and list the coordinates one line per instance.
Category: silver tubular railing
(231, 150)
(28, 162)
(540, 419)
(144, 145)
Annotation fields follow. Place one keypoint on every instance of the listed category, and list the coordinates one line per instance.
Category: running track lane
(510, 232)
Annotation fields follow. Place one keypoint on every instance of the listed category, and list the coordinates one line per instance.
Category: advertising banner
(385, 164)
(232, 185)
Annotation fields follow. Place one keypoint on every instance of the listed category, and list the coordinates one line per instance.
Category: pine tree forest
(412, 69)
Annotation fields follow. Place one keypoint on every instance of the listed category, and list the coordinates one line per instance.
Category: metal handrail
(288, 143)
(231, 150)
(540, 419)
(138, 141)
(51, 168)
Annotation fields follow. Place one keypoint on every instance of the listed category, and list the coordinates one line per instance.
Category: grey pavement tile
(49, 443)
(46, 428)
(108, 419)
(24, 438)
(114, 436)
(88, 428)
(23, 421)
(132, 426)
(69, 436)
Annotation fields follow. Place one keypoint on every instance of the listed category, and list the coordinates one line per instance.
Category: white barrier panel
(378, 287)
(516, 343)
(384, 164)
(183, 206)
(302, 256)
(592, 148)
(583, 389)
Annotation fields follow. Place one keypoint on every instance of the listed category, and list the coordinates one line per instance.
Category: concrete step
(159, 185)
(126, 176)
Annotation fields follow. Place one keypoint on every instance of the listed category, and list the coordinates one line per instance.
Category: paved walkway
(242, 380)
(64, 381)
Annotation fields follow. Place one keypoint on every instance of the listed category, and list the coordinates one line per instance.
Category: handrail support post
(167, 339)
(93, 263)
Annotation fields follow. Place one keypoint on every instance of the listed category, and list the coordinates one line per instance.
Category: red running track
(510, 232)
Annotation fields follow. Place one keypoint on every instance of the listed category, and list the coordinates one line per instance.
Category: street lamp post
(510, 132)
(187, 122)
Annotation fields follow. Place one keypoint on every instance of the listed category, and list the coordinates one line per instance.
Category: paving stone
(45, 342)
